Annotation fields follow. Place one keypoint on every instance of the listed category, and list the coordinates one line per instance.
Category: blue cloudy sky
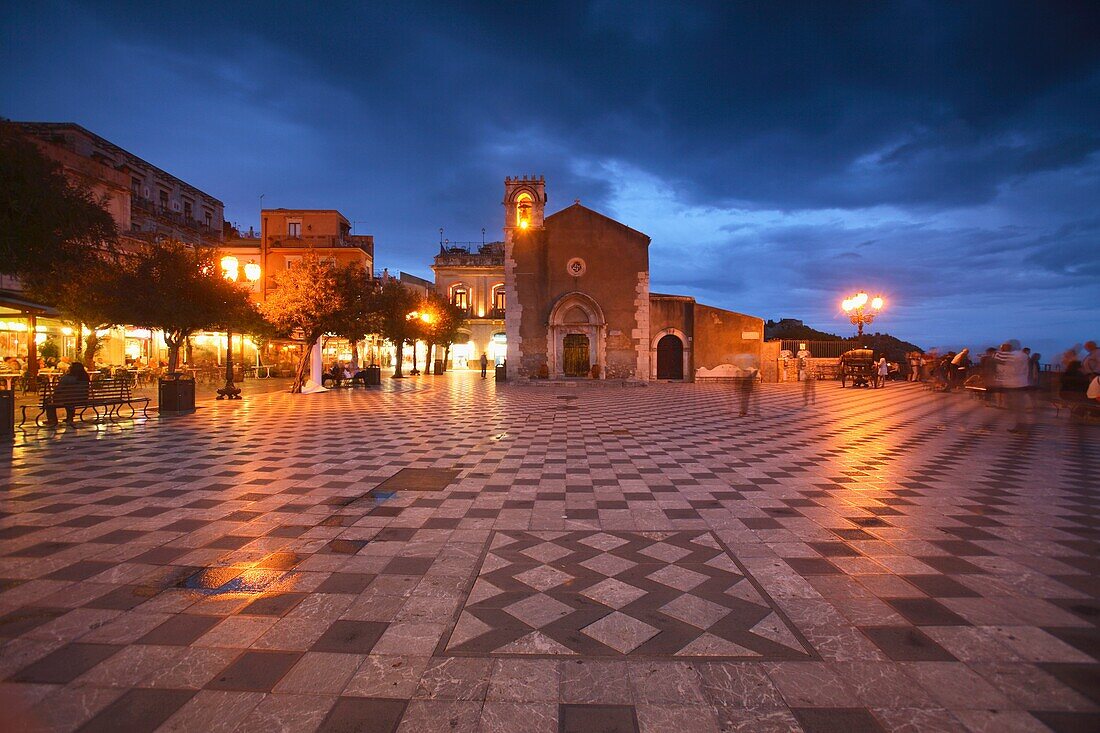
(778, 154)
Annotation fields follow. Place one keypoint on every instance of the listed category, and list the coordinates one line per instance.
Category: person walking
(883, 369)
(484, 365)
(1012, 372)
(809, 389)
(746, 383)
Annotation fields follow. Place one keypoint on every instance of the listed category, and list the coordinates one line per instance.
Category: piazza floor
(446, 554)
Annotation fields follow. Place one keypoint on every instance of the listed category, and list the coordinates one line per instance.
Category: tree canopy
(47, 223)
(180, 290)
(306, 298)
(395, 303)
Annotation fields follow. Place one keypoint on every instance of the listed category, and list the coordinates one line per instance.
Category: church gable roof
(578, 212)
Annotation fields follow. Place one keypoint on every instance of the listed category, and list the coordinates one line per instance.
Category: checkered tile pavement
(456, 556)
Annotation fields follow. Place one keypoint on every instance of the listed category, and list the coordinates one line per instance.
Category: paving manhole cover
(677, 595)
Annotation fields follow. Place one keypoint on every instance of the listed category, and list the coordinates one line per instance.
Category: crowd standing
(1012, 376)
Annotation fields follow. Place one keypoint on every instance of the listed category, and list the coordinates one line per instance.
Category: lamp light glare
(877, 302)
(230, 267)
(252, 272)
(860, 299)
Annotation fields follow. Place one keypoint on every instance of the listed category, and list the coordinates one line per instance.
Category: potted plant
(595, 371)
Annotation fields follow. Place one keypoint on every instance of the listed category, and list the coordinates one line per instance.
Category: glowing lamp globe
(230, 267)
(252, 271)
(877, 302)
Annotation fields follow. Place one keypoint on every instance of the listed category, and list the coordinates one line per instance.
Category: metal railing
(820, 349)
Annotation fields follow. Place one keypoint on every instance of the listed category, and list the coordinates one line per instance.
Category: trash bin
(176, 394)
(501, 373)
(374, 375)
(437, 366)
(7, 413)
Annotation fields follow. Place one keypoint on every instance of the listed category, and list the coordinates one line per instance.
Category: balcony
(494, 314)
(323, 241)
(173, 218)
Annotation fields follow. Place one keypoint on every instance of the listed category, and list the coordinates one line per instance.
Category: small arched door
(670, 357)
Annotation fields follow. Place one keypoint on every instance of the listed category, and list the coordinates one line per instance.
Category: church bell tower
(524, 204)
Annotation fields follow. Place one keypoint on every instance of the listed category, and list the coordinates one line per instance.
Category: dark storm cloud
(965, 133)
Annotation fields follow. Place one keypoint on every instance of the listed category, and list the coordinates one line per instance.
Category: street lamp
(861, 309)
(231, 271)
(424, 317)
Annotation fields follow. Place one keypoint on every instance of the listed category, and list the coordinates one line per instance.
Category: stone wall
(725, 337)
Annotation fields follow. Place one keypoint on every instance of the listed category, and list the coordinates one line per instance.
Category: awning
(25, 307)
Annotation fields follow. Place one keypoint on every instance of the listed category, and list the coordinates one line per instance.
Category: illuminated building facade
(576, 286)
(471, 276)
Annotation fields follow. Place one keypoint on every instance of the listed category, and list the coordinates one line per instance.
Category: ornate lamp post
(231, 271)
(861, 309)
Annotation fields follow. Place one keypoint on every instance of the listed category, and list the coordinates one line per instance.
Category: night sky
(780, 155)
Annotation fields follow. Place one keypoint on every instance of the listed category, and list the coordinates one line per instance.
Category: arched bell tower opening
(524, 204)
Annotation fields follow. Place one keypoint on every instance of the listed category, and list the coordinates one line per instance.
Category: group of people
(957, 369)
(342, 371)
(1010, 375)
(1081, 374)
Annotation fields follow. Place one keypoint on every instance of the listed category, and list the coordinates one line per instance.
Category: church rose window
(576, 267)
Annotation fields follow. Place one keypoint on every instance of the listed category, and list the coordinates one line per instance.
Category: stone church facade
(576, 284)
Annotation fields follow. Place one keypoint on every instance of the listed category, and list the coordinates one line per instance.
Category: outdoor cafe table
(7, 380)
(256, 370)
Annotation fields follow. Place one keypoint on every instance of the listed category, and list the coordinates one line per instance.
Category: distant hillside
(791, 328)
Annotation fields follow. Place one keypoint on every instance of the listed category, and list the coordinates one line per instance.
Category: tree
(93, 296)
(359, 304)
(446, 320)
(46, 222)
(394, 304)
(307, 298)
(180, 290)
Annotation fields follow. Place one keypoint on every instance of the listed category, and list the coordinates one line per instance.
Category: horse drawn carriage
(858, 366)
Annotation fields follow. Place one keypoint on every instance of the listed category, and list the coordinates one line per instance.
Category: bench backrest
(60, 394)
(108, 389)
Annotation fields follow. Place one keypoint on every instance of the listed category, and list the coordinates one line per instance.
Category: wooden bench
(105, 397)
(1077, 404)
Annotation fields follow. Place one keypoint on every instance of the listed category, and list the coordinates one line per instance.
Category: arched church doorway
(575, 361)
(670, 357)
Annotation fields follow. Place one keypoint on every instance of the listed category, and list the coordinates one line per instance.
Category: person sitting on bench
(72, 386)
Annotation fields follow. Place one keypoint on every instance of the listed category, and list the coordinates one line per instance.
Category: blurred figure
(960, 364)
(987, 369)
(746, 380)
(1073, 377)
(803, 363)
(882, 368)
(914, 366)
(1012, 372)
(1033, 368)
(809, 389)
(1090, 365)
